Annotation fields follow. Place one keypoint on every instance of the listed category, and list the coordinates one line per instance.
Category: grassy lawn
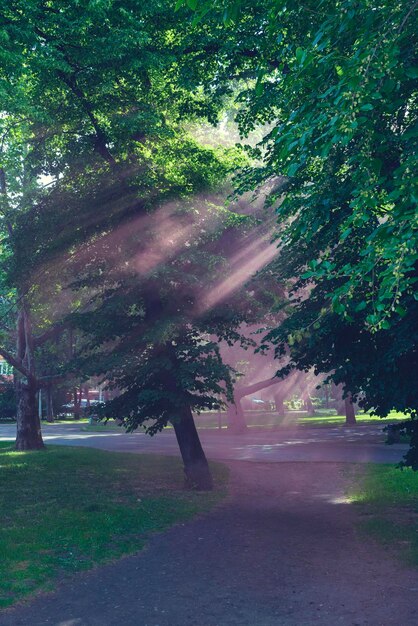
(68, 420)
(65, 509)
(388, 500)
(103, 427)
(339, 420)
(254, 419)
(268, 419)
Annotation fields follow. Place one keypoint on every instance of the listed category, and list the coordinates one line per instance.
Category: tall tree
(153, 325)
(83, 85)
(337, 83)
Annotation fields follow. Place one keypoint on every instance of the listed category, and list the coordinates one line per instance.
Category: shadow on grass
(64, 510)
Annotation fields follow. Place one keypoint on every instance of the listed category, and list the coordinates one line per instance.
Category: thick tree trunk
(235, 416)
(279, 402)
(28, 435)
(350, 415)
(196, 468)
(28, 424)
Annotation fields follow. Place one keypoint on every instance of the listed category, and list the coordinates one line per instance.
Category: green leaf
(300, 55)
(412, 72)
(291, 171)
(361, 306)
(259, 87)
(376, 165)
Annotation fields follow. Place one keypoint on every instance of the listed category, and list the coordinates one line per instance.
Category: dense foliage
(335, 86)
(152, 335)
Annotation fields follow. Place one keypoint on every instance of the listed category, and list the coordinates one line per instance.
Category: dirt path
(282, 551)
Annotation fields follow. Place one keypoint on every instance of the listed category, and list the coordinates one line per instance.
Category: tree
(152, 325)
(337, 83)
(235, 413)
(84, 85)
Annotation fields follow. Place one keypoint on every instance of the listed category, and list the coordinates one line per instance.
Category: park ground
(293, 543)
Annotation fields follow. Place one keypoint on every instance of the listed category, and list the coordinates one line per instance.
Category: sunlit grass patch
(388, 499)
(66, 509)
(362, 418)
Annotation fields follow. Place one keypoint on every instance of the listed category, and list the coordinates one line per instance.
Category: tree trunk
(28, 435)
(77, 403)
(326, 393)
(341, 403)
(350, 415)
(196, 468)
(309, 406)
(235, 416)
(49, 405)
(279, 402)
(87, 395)
(28, 424)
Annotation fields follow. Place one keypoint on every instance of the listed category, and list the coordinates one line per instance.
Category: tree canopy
(335, 87)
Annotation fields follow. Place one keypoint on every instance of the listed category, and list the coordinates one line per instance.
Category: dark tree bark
(350, 415)
(196, 468)
(28, 432)
(77, 403)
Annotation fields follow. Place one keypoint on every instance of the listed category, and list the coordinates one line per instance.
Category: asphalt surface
(359, 444)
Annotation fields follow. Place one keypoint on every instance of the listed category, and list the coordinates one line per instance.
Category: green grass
(103, 427)
(339, 420)
(65, 509)
(388, 500)
(68, 420)
(269, 419)
(255, 419)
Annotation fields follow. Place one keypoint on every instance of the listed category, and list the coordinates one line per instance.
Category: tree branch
(51, 333)
(101, 140)
(45, 381)
(262, 384)
(14, 362)
(405, 19)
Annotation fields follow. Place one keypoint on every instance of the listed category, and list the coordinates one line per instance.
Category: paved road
(362, 443)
